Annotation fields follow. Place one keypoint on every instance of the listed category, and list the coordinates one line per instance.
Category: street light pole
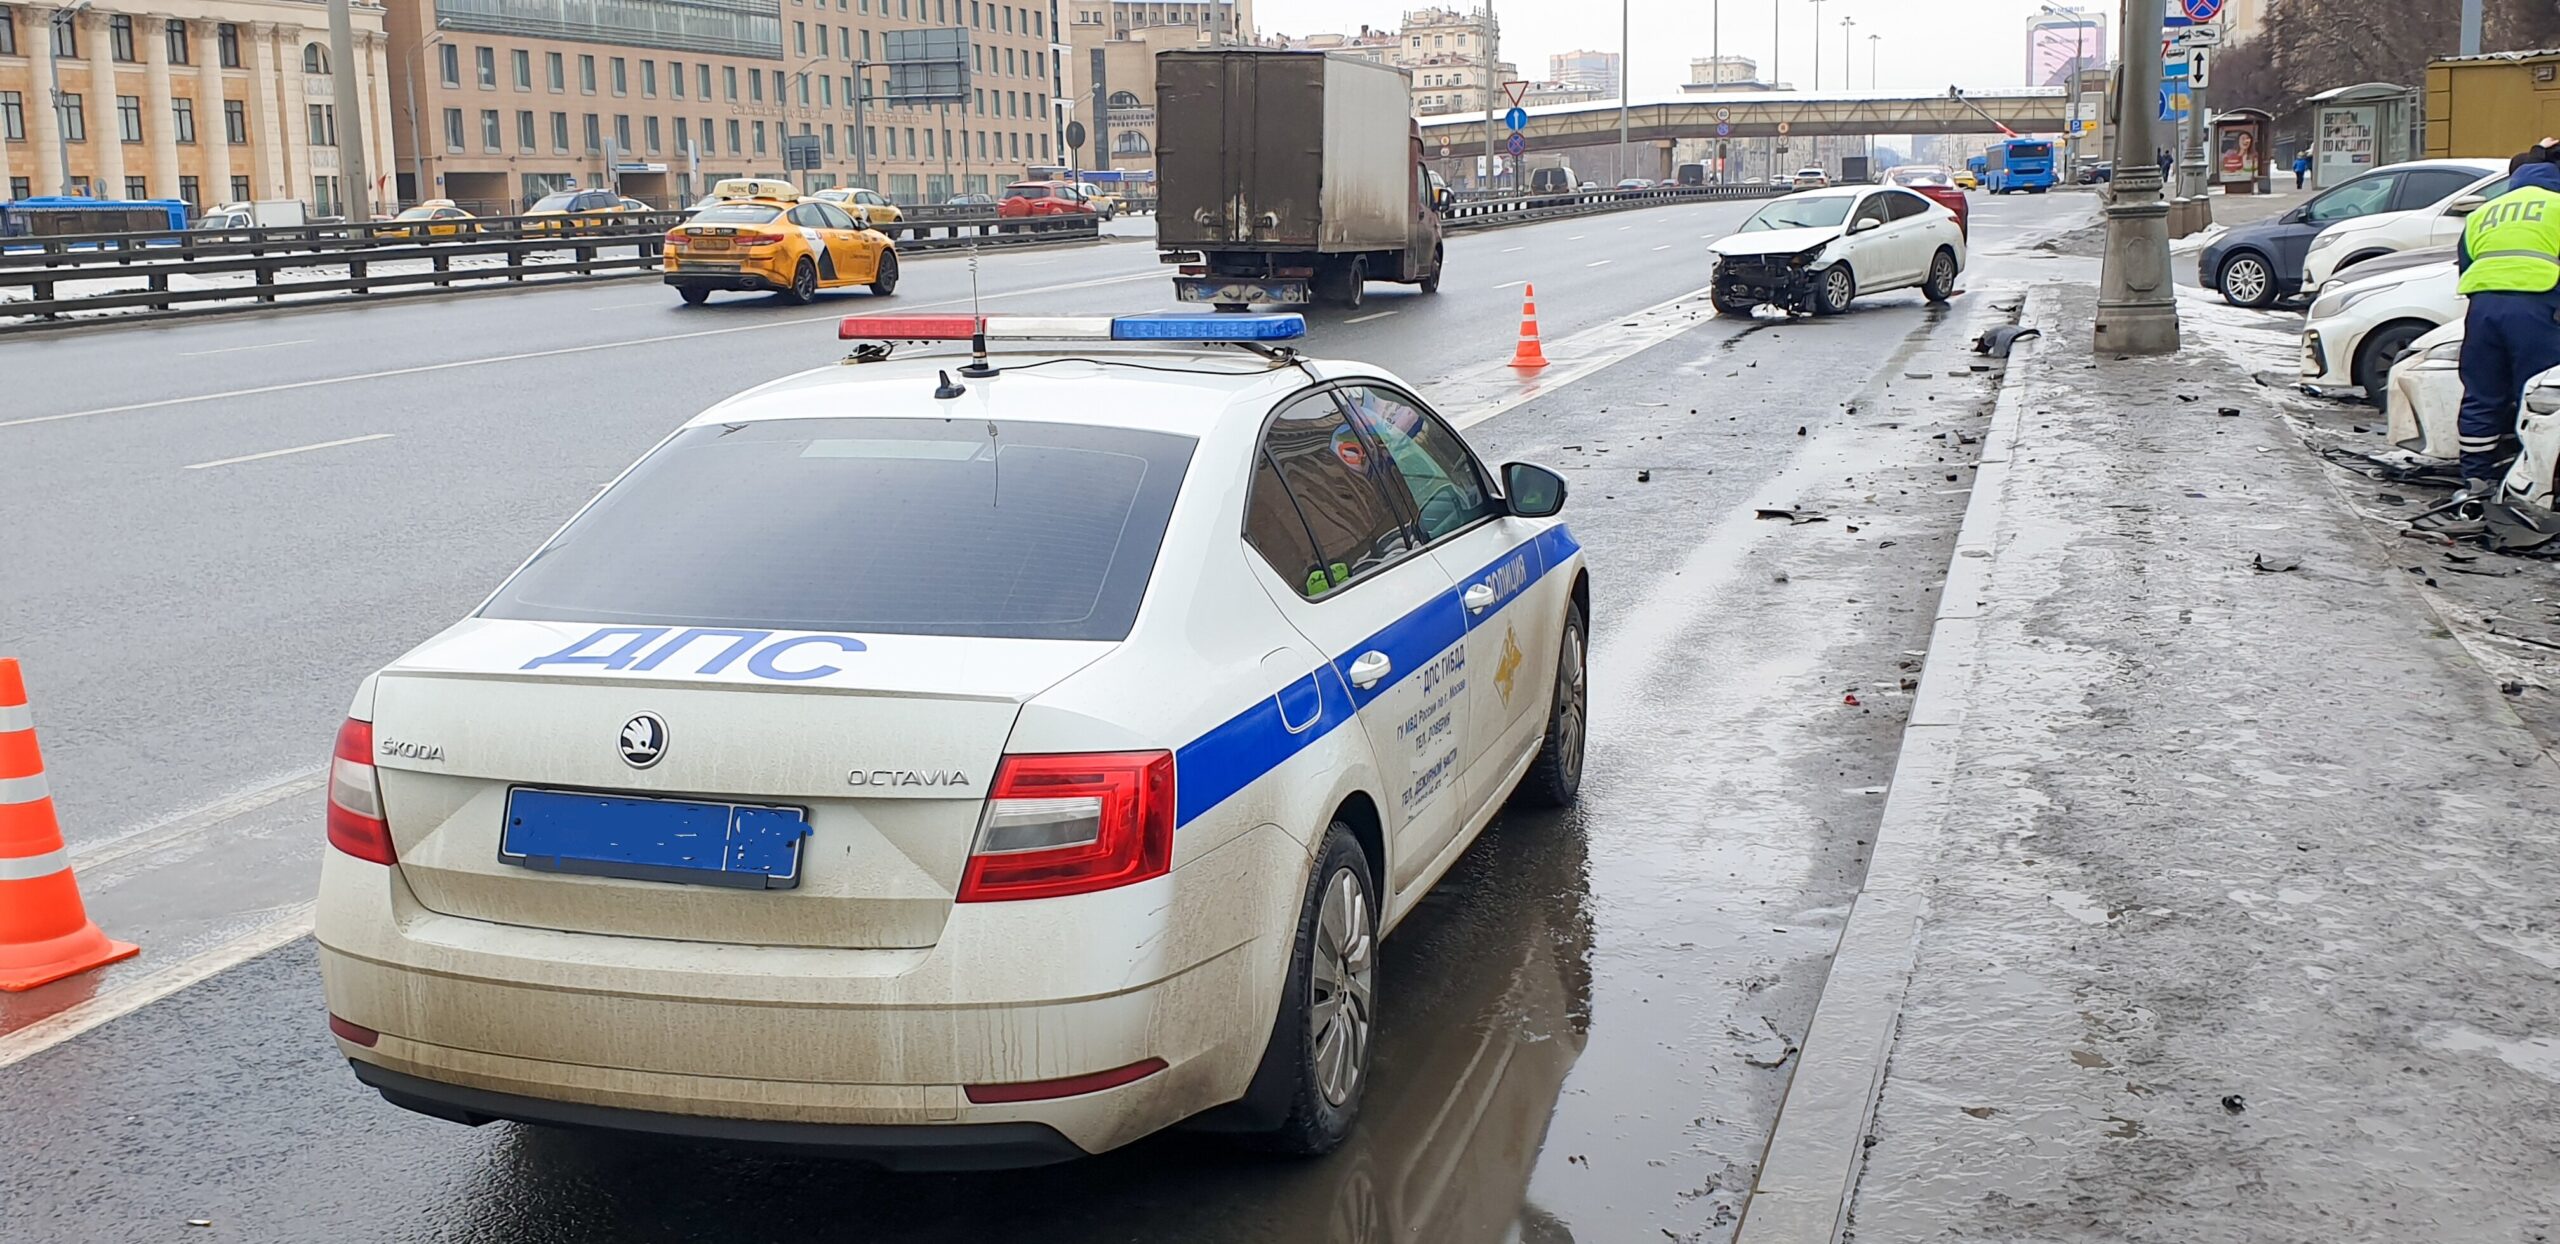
(63, 18)
(417, 148)
(2137, 305)
(356, 184)
(1491, 40)
(1623, 77)
(1817, 44)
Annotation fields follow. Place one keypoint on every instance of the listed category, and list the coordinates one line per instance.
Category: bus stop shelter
(2355, 129)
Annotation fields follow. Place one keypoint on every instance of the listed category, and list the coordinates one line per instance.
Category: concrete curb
(1810, 1172)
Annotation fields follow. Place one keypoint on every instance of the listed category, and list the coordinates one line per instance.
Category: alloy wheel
(1344, 976)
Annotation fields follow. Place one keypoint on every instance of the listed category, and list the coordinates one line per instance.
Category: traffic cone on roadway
(1529, 355)
(45, 933)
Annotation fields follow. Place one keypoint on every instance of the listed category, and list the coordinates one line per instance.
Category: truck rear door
(1240, 148)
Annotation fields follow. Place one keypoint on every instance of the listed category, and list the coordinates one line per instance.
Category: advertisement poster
(2344, 143)
(2056, 46)
(2240, 157)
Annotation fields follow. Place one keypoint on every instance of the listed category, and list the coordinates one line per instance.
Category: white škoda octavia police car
(959, 766)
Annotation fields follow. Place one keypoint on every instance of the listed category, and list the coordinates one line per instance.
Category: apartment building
(500, 101)
(209, 101)
(1111, 69)
(1452, 57)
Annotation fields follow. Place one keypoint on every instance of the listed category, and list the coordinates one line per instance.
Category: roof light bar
(1174, 326)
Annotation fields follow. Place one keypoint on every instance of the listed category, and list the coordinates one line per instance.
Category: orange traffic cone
(45, 934)
(1529, 356)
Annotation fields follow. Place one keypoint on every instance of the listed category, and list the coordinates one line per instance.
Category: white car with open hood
(958, 766)
(1817, 250)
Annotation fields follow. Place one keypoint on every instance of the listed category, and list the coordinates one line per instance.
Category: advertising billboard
(2056, 44)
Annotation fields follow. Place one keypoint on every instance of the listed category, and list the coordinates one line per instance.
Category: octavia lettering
(908, 777)
(707, 650)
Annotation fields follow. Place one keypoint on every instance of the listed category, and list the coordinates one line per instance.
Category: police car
(959, 760)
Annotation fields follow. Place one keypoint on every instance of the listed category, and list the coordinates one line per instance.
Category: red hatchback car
(1043, 198)
(1936, 185)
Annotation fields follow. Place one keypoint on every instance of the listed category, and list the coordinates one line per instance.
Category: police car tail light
(1072, 824)
(355, 800)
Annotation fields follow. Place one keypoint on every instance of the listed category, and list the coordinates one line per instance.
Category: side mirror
(1863, 224)
(1534, 491)
(2466, 205)
(862, 216)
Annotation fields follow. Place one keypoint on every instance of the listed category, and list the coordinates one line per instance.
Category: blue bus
(55, 216)
(2018, 164)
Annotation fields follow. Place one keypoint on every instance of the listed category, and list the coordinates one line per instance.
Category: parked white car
(2442, 194)
(1817, 249)
(2358, 328)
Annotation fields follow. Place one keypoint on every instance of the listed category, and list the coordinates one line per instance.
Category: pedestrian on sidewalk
(2166, 162)
(2301, 168)
(2510, 261)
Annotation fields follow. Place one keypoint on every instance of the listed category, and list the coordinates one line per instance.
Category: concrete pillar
(159, 128)
(35, 38)
(379, 159)
(294, 135)
(106, 134)
(266, 136)
(213, 137)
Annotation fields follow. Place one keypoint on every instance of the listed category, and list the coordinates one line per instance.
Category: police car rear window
(736, 214)
(892, 526)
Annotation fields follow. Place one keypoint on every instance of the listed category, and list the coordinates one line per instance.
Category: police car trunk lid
(887, 743)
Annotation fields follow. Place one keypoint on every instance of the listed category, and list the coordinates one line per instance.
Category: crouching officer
(2510, 259)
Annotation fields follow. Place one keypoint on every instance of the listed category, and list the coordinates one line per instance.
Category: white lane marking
(92, 856)
(197, 354)
(1363, 319)
(1469, 398)
(1664, 247)
(290, 923)
(589, 348)
(1511, 285)
(1508, 249)
(278, 453)
(1577, 237)
(1597, 262)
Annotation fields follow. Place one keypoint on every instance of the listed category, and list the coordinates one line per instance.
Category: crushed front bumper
(1779, 280)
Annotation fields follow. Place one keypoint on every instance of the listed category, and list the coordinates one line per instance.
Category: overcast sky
(1925, 45)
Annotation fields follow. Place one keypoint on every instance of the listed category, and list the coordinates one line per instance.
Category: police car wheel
(1320, 1047)
(1556, 777)
(804, 284)
(885, 281)
(693, 295)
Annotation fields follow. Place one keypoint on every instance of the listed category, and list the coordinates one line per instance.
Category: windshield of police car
(1806, 213)
(896, 526)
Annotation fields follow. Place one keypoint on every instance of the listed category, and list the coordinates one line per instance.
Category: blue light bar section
(1208, 326)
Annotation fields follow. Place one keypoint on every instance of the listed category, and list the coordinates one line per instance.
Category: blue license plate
(748, 846)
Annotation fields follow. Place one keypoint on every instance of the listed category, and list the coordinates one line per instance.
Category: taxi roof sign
(766, 189)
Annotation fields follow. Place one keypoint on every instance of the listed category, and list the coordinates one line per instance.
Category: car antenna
(948, 390)
(977, 368)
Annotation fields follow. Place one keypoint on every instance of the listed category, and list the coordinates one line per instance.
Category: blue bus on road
(54, 216)
(2018, 164)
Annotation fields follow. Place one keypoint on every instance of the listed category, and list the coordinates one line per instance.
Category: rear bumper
(956, 1147)
(1260, 291)
(735, 279)
(875, 1048)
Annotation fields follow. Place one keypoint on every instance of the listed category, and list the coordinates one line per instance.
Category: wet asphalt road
(1586, 1029)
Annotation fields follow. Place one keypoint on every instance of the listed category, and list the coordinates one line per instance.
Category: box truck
(1288, 176)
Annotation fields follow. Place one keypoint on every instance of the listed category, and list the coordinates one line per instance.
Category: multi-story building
(501, 102)
(1111, 69)
(1597, 70)
(209, 101)
(1537, 93)
(2064, 41)
(1453, 58)
(1369, 45)
(1712, 72)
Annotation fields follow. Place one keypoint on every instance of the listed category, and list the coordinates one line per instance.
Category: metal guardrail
(157, 272)
(1493, 213)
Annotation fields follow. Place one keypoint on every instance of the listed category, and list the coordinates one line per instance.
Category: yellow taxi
(875, 208)
(1965, 180)
(441, 220)
(759, 235)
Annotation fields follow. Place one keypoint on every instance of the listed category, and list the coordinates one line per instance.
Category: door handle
(1369, 668)
(1479, 597)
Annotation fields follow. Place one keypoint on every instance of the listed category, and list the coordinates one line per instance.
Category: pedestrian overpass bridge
(1805, 114)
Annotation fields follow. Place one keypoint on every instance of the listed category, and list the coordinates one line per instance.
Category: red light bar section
(907, 328)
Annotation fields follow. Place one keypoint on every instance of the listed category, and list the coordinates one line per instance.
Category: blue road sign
(2201, 10)
(1519, 143)
(1723, 130)
(1517, 118)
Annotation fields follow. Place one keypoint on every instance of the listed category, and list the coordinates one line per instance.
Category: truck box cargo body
(1290, 173)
